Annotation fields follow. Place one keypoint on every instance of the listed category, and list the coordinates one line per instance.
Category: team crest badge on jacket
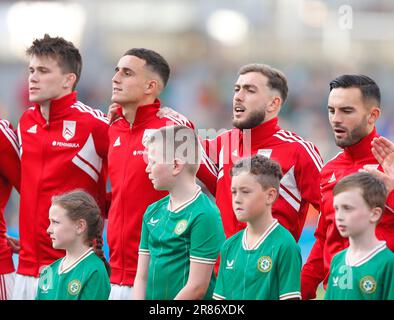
(69, 129)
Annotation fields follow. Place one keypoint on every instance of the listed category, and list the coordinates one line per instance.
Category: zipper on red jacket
(126, 162)
(43, 157)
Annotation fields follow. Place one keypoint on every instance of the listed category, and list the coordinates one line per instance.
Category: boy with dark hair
(182, 233)
(263, 261)
(64, 146)
(365, 270)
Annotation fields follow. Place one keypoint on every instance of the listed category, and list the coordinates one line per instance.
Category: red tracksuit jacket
(328, 240)
(132, 191)
(65, 153)
(10, 170)
(300, 161)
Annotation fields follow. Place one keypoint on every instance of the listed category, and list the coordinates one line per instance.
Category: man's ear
(374, 115)
(275, 104)
(151, 86)
(70, 80)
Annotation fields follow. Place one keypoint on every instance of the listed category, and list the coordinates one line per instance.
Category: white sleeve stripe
(208, 161)
(10, 135)
(203, 261)
(289, 295)
(20, 141)
(218, 297)
(184, 121)
(145, 253)
(206, 259)
(94, 112)
(317, 162)
(306, 144)
(209, 164)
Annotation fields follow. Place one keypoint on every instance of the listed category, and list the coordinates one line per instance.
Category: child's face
(62, 230)
(250, 200)
(353, 216)
(160, 173)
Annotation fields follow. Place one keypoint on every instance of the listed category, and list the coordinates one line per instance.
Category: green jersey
(85, 279)
(173, 239)
(370, 278)
(270, 270)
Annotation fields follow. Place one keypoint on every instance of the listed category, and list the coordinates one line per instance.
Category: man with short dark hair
(64, 146)
(140, 76)
(259, 94)
(353, 109)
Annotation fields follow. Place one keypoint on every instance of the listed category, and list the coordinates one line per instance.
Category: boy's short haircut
(64, 52)
(178, 142)
(373, 190)
(267, 171)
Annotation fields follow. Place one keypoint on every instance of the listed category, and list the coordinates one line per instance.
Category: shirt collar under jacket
(145, 113)
(59, 107)
(361, 149)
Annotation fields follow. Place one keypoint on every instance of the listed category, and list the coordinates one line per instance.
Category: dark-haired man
(64, 146)
(353, 109)
(259, 94)
(140, 76)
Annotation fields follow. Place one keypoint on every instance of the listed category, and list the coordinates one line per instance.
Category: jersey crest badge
(264, 264)
(180, 227)
(368, 284)
(74, 286)
(69, 129)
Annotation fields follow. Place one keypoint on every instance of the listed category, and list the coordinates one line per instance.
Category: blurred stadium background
(206, 42)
